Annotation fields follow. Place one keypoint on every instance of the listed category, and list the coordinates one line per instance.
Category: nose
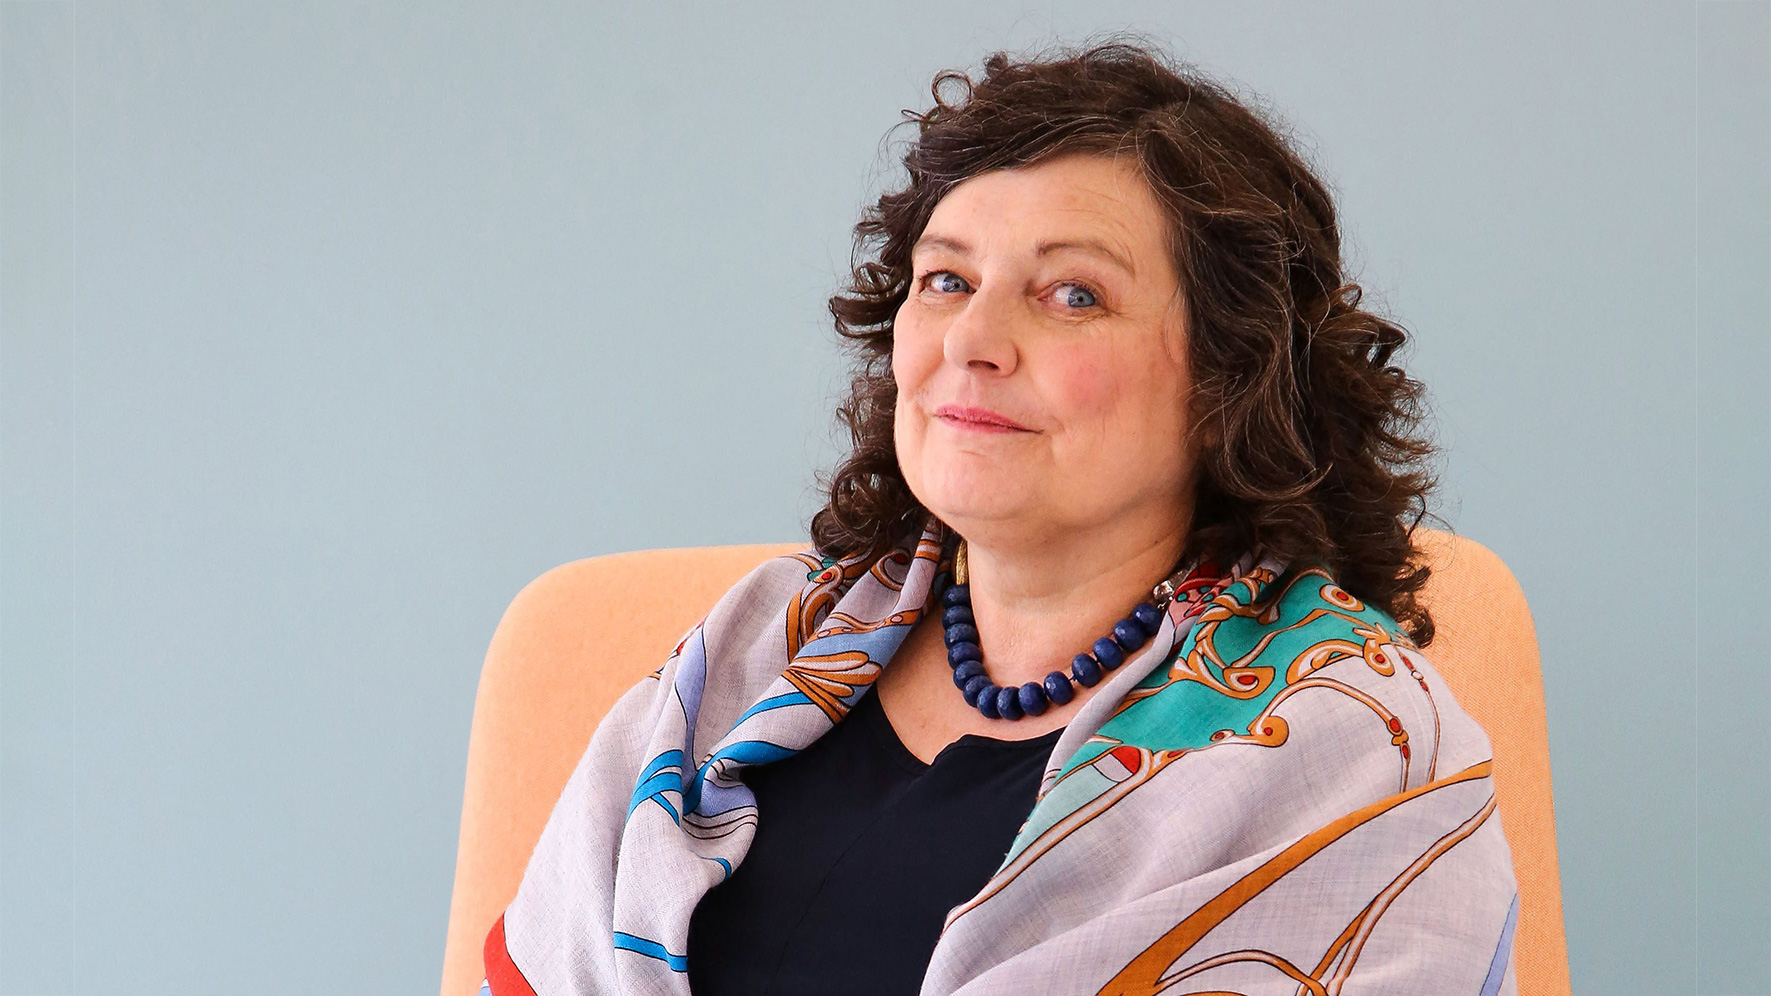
(980, 339)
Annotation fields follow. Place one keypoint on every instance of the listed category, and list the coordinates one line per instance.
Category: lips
(982, 419)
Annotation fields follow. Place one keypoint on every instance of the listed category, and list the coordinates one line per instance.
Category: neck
(1039, 604)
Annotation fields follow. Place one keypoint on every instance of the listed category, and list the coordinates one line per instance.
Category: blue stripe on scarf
(651, 949)
(1497, 969)
(744, 752)
(774, 702)
(657, 780)
(879, 644)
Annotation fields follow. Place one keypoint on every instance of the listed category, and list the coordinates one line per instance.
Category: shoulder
(758, 605)
(1295, 621)
(740, 644)
(1282, 656)
(1312, 651)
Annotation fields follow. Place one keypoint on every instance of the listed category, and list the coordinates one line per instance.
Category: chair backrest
(580, 635)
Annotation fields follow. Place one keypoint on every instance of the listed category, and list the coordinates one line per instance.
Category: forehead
(1075, 198)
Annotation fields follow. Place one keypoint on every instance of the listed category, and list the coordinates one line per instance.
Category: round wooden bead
(1058, 688)
(1033, 701)
(963, 632)
(1148, 616)
(987, 701)
(975, 687)
(1086, 670)
(1108, 653)
(965, 672)
(959, 653)
(1129, 635)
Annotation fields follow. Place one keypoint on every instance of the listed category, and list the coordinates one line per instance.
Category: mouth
(978, 419)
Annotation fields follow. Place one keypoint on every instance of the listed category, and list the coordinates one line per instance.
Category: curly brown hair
(1314, 449)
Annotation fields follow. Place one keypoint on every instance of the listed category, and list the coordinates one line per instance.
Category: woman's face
(1041, 357)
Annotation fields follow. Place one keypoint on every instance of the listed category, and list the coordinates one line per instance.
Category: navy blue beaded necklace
(966, 656)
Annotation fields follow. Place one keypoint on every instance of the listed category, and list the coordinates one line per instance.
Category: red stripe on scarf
(502, 974)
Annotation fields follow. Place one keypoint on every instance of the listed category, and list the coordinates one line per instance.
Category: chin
(959, 499)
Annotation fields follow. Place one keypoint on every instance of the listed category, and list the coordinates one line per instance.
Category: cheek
(1126, 402)
(1084, 385)
(1089, 388)
(916, 351)
(916, 355)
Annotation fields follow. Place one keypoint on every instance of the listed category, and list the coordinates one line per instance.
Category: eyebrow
(1090, 246)
(941, 242)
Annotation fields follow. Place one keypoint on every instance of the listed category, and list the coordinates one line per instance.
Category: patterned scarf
(1278, 794)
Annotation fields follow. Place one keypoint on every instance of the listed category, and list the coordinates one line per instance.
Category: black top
(860, 851)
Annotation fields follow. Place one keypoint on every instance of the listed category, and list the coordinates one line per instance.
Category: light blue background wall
(327, 327)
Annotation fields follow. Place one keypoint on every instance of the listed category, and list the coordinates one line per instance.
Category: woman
(1103, 676)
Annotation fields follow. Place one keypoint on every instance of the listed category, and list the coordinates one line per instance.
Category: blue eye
(1076, 296)
(947, 282)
